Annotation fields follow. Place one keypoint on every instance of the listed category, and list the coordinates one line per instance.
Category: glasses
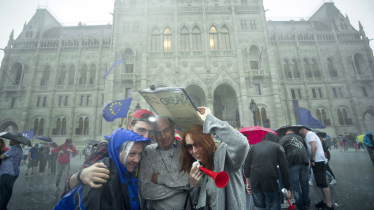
(189, 147)
(165, 131)
(143, 131)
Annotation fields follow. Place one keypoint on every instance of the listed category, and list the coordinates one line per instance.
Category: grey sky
(14, 13)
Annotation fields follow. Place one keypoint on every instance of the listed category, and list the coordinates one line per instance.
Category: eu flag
(116, 109)
(118, 61)
(28, 134)
(306, 118)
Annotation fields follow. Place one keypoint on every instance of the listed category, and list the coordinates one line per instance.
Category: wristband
(78, 176)
(312, 161)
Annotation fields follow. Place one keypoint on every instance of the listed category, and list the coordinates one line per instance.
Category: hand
(249, 189)
(289, 194)
(69, 150)
(61, 152)
(312, 163)
(155, 178)
(195, 176)
(95, 173)
(203, 112)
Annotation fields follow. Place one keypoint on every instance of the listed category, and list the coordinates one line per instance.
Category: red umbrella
(255, 134)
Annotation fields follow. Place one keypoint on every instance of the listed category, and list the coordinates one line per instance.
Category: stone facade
(223, 52)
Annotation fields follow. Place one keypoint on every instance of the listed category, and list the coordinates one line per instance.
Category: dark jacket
(112, 195)
(261, 165)
(296, 152)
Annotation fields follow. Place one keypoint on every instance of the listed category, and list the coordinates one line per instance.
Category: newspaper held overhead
(174, 103)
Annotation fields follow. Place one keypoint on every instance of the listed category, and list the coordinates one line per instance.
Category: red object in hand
(221, 179)
(291, 206)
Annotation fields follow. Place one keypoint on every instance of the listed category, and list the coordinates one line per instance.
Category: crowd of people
(128, 171)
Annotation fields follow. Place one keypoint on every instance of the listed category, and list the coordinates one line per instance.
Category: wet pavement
(354, 189)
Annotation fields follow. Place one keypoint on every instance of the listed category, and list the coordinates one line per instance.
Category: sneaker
(333, 182)
(310, 183)
(320, 205)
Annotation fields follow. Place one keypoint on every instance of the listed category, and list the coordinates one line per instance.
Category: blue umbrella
(44, 138)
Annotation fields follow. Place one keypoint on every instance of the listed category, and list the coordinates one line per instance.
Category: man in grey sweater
(160, 181)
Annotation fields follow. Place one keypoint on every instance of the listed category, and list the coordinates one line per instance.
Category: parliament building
(225, 53)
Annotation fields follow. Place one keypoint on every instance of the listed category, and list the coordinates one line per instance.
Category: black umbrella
(44, 138)
(91, 142)
(16, 137)
(295, 128)
(320, 134)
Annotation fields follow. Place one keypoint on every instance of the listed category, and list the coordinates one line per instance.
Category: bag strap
(185, 202)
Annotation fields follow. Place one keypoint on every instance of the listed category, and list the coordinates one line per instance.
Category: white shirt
(320, 154)
(26, 150)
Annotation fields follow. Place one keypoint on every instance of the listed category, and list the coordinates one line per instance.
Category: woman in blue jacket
(369, 142)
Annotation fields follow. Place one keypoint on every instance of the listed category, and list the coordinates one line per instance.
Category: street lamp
(253, 108)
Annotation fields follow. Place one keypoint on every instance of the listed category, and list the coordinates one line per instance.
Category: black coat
(296, 151)
(113, 195)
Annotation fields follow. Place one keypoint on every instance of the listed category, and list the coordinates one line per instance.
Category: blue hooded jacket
(366, 139)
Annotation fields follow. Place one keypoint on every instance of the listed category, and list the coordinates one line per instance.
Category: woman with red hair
(228, 156)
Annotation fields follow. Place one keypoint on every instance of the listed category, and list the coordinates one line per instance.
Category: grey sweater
(169, 192)
(229, 157)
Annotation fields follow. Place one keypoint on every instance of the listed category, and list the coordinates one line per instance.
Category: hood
(367, 133)
(118, 138)
(271, 137)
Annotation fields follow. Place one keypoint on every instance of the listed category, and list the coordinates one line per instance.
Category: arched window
(155, 40)
(314, 68)
(359, 63)
(318, 113)
(71, 75)
(340, 116)
(185, 40)
(213, 39)
(45, 76)
(325, 119)
(83, 75)
(196, 39)
(347, 120)
(63, 126)
(295, 69)
(225, 39)
(92, 74)
(265, 120)
(62, 75)
(86, 126)
(58, 126)
(79, 130)
(41, 126)
(18, 74)
(36, 126)
(308, 72)
(258, 117)
(287, 70)
(167, 40)
(330, 65)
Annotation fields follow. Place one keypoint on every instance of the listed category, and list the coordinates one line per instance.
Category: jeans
(265, 200)
(299, 178)
(345, 146)
(327, 173)
(60, 169)
(6, 189)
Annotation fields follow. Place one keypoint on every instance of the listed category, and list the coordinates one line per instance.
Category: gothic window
(314, 68)
(18, 74)
(79, 130)
(38, 126)
(155, 40)
(126, 28)
(167, 40)
(340, 117)
(287, 70)
(83, 75)
(253, 25)
(295, 69)
(330, 65)
(345, 26)
(196, 39)
(92, 74)
(213, 39)
(129, 68)
(71, 75)
(27, 34)
(86, 126)
(62, 75)
(318, 113)
(45, 76)
(359, 63)
(31, 34)
(341, 26)
(57, 130)
(347, 120)
(185, 40)
(244, 25)
(225, 39)
(63, 127)
(308, 72)
(265, 122)
(244, 2)
(258, 117)
(325, 120)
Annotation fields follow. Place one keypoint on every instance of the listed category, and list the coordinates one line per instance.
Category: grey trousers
(60, 169)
